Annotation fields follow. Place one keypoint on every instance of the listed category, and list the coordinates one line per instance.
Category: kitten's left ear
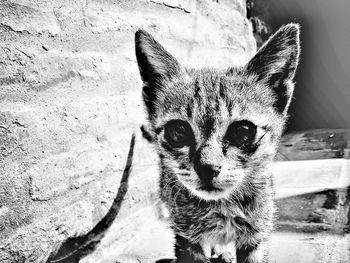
(275, 64)
(155, 65)
(153, 60)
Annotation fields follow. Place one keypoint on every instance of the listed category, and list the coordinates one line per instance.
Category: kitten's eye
(178, 133)
(241, 134)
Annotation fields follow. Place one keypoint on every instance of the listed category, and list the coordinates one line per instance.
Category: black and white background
(78, 183)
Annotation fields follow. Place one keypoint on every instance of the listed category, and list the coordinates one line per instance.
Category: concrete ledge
(299, 177)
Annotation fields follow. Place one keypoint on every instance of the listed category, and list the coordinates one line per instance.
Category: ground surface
(146, 239)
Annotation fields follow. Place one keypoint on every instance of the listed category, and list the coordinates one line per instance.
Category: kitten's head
(215, 130)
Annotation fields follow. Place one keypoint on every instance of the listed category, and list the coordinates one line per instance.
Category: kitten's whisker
(171, 181)
(181, 188)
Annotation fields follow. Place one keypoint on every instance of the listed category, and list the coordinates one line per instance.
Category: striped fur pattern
(219, 192)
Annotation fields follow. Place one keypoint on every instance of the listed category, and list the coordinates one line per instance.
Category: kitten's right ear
(155, 65)
(275, 64)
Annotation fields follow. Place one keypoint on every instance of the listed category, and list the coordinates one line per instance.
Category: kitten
(215, 132)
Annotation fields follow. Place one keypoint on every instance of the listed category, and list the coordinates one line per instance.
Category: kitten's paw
(229, 257)
(227, 252)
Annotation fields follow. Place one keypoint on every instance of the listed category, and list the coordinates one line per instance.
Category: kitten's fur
(219, 194)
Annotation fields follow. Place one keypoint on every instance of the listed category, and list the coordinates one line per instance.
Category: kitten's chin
(208, 191)
(212, 194)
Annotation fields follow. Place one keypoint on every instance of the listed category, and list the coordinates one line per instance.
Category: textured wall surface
(70, 100)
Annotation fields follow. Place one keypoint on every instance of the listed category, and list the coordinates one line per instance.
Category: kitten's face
(216, 130)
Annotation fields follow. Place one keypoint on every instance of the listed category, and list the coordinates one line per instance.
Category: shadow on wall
(73, 249)
(322, 91)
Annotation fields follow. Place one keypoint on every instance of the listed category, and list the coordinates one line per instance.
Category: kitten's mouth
(209, 188)
(209, 191)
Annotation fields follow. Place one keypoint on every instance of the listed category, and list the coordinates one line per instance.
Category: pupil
(241, 134)
(178, 133)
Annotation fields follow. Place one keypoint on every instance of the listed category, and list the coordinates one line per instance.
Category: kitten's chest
(221, 230)
(221, 235)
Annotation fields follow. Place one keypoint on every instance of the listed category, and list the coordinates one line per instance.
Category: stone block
(34, 242)
(24, 18)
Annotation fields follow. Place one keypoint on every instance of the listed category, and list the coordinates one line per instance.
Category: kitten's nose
(207, 162)
(207, 172)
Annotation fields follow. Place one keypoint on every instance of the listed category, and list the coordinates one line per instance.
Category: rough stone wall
(70, 100)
